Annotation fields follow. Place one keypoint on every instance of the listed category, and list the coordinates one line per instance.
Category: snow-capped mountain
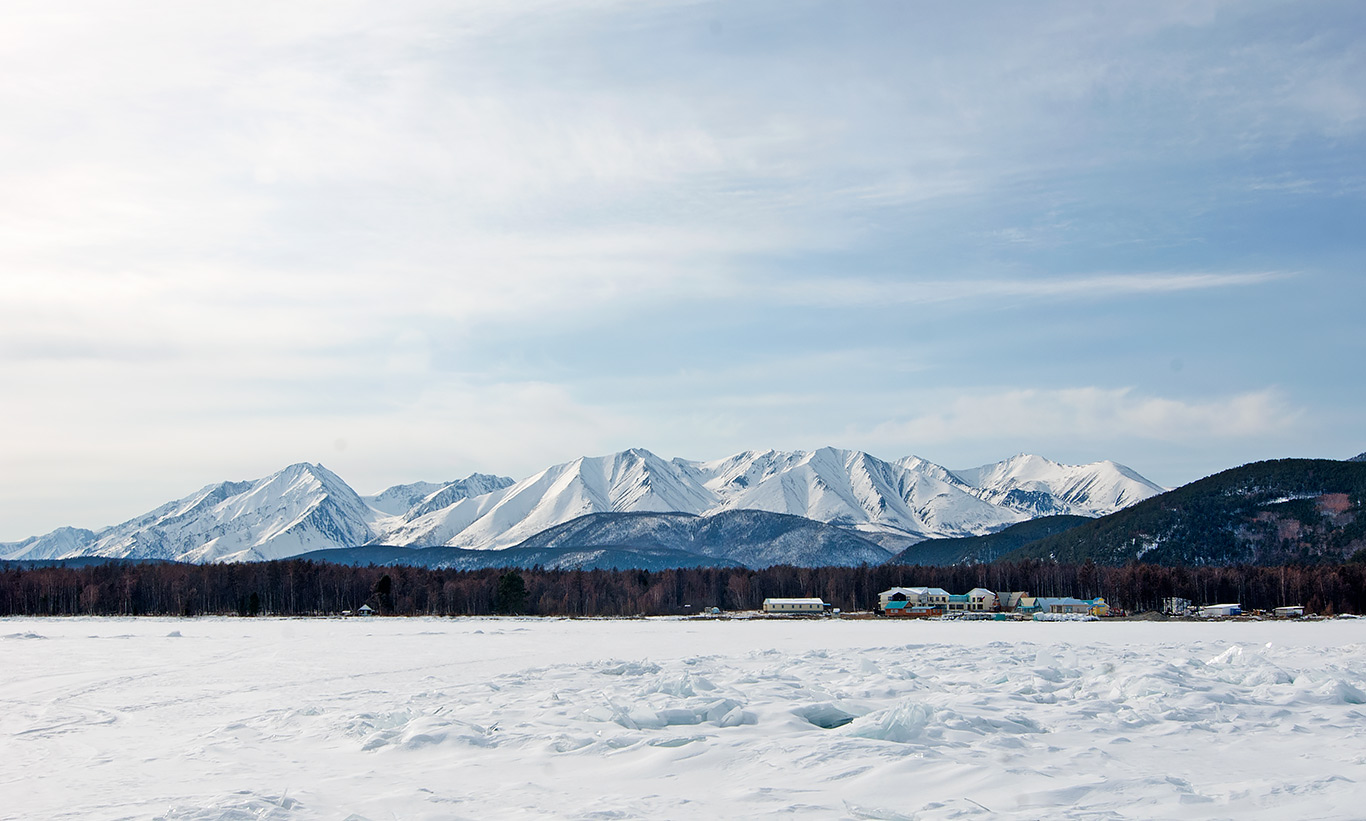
(894, 502)
(418, 498)
(854, 489)
(631, 481)
(306, 507)
(62, 542)
(1040, 487)
(299, 509)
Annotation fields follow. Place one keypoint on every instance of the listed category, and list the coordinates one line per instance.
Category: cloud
(854, 291)
(1095, 414)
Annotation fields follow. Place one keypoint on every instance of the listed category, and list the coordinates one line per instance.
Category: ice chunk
(904, 723)
(825, 715)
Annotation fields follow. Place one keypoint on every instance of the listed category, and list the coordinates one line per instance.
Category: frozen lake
(659, 719)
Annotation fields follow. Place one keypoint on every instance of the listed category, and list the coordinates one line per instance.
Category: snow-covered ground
(654, 719)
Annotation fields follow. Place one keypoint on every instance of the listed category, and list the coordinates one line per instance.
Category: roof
(820, 602)
(895, 605)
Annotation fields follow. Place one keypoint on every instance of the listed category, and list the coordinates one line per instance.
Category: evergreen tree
(510, 596)
(384, 594)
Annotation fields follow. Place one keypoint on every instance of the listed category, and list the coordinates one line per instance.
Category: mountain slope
(753, 538)
(630, 481)
(853, 489)
(552, 558)
(306, 507)
(894, 503)
(1282, 511)
(303, 507)
(988, 548)
(64, 541)
(1037, 486)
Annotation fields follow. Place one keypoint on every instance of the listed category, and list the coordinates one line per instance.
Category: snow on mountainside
(64, 541)
(303, 507)
(299, 509)
(853, 489)
(306, 507)
(423, 497)
(1040, 487)
(631, 481)
(752, 538)
(911, 499)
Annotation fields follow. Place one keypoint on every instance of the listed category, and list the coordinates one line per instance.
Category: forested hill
(988, 548)
(1276, 512)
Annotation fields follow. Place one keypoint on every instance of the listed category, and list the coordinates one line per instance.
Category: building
(1213, 611)
(901, 595)
(1056, 604)
(919, 601)
(1009, 600)
(1292, 612)
(981, 600)
(935, 601)
(1176, 606)
(795, 606)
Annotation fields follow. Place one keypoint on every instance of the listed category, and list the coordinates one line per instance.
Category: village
(982, 604)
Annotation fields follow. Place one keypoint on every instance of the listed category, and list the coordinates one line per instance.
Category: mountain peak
(306, 507)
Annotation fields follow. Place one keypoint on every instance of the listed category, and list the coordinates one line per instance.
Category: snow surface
(224, 719)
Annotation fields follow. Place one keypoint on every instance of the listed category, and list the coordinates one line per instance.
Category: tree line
(307, 588)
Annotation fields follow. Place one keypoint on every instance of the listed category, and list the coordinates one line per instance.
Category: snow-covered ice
(228, 719)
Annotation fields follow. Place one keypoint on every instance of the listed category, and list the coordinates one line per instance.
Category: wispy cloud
(1097, 414)
(855, 291)
(252, 228)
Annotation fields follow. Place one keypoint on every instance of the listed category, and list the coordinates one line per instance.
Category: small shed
(365, 610)
(795, 606)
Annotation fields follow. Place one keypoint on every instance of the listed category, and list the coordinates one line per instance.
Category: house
(908, 595)
(795, 606)
(1009, 600)
(981, 600)
(1054, 604)
(895, 608)
(365, 610)
(1213, 611)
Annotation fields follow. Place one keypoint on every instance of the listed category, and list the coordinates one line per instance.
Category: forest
(306, 588)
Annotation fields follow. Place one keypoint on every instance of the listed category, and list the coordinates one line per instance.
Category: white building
(1215, 610)
(910, 595)
(794, 606)
(981, 600)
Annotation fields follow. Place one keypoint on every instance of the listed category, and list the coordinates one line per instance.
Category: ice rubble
(647, 719)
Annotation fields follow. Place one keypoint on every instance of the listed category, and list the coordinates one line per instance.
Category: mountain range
(887, 505)
(1284, 511)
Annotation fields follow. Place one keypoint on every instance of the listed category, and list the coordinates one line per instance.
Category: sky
(412, 241)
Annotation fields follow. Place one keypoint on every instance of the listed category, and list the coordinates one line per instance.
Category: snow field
(226, 719)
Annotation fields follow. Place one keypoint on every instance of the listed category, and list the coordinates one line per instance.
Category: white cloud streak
(1096, 414)
(855, 291)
